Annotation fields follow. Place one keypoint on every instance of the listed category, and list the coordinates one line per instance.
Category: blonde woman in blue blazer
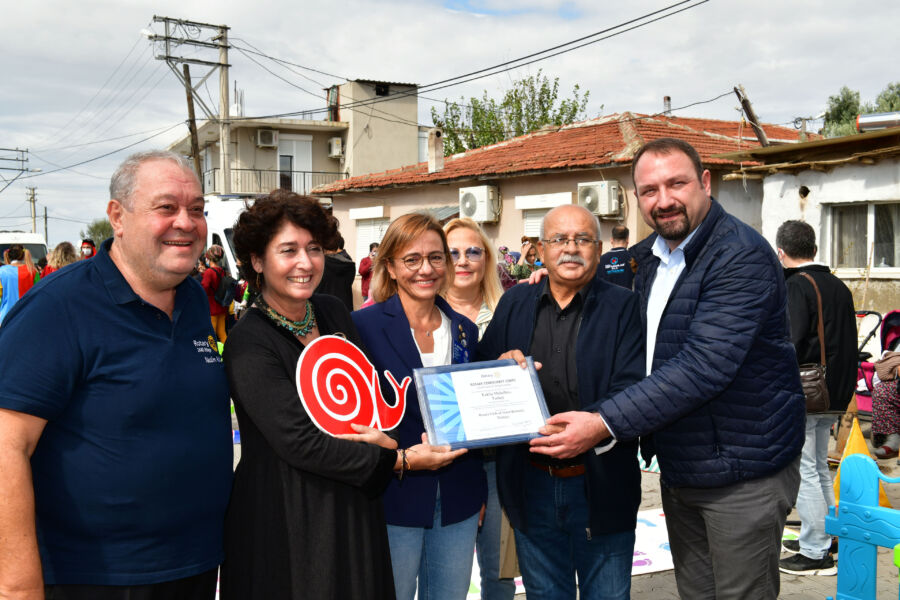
(432, 516)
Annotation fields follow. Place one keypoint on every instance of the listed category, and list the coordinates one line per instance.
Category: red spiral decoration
(337, 385)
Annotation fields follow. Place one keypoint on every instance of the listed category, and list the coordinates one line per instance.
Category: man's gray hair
(594, 219)
(121, 186)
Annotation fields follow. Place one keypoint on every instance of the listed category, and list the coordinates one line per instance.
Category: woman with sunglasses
(474, 292)
(432, 517)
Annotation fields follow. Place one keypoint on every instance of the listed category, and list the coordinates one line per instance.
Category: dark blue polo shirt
(615, 267)
(133, 471)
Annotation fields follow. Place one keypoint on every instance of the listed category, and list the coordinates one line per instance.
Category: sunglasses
(473, 254)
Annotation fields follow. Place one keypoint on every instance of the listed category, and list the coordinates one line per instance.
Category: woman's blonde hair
(402, 232)
(63, 254)
(491, 290)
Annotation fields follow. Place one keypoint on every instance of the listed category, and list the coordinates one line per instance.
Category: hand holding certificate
(481, 404)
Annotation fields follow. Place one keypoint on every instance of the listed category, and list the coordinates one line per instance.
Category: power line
(639, 22)
(84, 162)
(113, 139)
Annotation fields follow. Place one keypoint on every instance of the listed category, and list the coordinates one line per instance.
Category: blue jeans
(816, 492)
(440, 557)
(558, 544)
(488, 544)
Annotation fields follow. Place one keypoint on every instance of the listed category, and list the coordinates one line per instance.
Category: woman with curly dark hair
(306, 517)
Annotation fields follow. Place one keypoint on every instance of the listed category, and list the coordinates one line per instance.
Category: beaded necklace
(299, 328)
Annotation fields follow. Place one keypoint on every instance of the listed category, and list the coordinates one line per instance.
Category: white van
(221, 214)
(33, 242)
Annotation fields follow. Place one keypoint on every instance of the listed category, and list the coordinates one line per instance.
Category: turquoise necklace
(299, 328)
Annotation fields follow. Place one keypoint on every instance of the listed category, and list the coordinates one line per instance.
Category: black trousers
(196, 587)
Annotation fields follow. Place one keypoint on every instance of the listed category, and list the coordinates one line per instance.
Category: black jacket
(840, 328)
(609, 355)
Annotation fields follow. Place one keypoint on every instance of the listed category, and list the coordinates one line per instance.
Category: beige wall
(510, 228)
(381, 136)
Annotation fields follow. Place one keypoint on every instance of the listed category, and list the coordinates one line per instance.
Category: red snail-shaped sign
(339, 386)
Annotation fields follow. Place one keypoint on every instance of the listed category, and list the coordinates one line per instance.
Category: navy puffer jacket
(724, 402)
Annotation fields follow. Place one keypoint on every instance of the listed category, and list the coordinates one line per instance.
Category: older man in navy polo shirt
(115, 449)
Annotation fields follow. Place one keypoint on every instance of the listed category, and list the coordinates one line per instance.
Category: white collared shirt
(671, 264)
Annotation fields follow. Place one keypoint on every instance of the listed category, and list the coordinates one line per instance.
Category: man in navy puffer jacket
(722, 405)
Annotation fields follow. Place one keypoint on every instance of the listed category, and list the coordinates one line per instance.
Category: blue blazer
(385, 331)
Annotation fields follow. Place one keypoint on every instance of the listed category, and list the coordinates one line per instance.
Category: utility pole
(751, 116)
(20, 161)
(179, 32)
(32, 200)
(46, 230)
(192, 123)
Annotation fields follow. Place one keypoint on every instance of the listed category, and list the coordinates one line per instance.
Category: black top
(553, 344)
(615, 267)
(306, 518)
(337, 278)
(839, 323)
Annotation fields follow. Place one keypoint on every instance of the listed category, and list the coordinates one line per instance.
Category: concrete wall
(843, 184)
(381, 136)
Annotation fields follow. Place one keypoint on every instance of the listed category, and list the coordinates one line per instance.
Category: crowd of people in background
(19, 271)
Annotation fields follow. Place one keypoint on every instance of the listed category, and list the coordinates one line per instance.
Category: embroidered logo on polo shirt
(208, 348)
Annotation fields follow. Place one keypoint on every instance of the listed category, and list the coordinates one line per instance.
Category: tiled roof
(603, 142)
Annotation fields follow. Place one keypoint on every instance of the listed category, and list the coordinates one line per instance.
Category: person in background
(63, 254)
(432, 517)
(88, 248)
(211, 278)
(337, 279)
(16, 277)
(306, 518)
(796, 246)
(615, 265)
(116, 448)
(365, 269)
(576, 515)
(474, 293)
(525, 266)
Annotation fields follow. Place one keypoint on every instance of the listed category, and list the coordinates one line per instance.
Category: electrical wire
(518, 62)
(97, 93)
(84, 162)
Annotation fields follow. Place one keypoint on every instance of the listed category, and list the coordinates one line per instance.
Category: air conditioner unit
(267, 138)
(600, 197)
(335, 147)
(480, 203)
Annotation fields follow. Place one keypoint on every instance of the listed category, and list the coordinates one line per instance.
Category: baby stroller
(890, 340)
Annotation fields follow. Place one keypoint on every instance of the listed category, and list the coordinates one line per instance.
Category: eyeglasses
(413, 262)
(473, 254)
(561, 242)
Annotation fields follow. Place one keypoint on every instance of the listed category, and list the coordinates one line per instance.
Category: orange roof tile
(603, 142)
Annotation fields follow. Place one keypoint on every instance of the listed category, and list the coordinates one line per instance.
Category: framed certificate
(482, 404)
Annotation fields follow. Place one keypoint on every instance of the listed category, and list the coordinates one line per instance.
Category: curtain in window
(849, 235)
(887, 234)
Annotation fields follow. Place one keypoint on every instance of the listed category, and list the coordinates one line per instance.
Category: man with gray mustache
(574, 515)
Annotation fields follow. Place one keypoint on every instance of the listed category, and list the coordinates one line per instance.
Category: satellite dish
(589, 198)
(469, 204)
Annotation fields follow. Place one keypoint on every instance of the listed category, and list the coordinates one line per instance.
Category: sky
(81, 88)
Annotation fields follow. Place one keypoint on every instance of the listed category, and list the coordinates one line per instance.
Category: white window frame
(826, 248)
(368, 231)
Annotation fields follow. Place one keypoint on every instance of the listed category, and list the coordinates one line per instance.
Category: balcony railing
(262, 181)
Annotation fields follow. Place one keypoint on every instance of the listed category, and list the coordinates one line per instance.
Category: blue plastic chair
(862, 526)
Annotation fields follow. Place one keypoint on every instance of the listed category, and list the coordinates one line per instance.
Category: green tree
(840, 118)
(98, 230)
(530, 104)
(889, 98)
